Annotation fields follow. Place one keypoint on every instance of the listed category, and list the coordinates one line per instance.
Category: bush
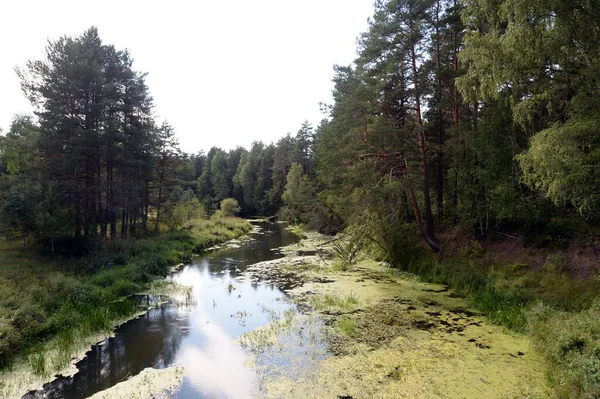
(555, 262)
(229, 207)
(472, 249)
(571, 341)
(123, 288)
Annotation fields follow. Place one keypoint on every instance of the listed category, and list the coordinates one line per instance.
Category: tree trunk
(112, 213)
(439, 124)
(160, 184)
(145, 206)
(421, 144)
(455, 119)
(415, 206)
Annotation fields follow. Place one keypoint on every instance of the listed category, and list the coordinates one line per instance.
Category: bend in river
(198, 334)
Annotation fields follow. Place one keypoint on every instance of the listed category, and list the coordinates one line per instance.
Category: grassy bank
(560, 314)
(46, 298)
(527, 289)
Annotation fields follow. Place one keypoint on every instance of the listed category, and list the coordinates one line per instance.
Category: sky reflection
(200, 336)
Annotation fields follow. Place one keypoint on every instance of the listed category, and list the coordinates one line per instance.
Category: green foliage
(562, 163)
(347, 252)
(571, 342)
(221, 184)
(559, 161)
(18, 208)
(19, 150)
(472, 249)
(44, 297)
(301, 205)
(182, 210)
(229, 207)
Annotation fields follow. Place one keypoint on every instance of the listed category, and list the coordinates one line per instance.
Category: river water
(198, 334)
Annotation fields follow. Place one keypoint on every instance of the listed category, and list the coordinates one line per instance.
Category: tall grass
(333, 302)
(561, 315)
(43, 297)
(571, 343)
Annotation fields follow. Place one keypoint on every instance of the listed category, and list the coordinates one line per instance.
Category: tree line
(95, 164)
(474, 114)
(94, 161)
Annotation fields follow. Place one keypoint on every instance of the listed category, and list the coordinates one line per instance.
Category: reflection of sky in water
(213, 360)
(200, 337)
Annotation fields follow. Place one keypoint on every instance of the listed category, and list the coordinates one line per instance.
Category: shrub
(571, 341)
(472, 249)
(229, 207)
(555, 262)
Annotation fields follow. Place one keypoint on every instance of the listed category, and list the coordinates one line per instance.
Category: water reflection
(199, 338)
(125, 355)
(215, 369)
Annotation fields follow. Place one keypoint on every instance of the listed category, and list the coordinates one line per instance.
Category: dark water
(198, 336)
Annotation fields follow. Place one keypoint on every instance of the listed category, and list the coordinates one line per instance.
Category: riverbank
(150, 383)
(392, 335)
(52, 310)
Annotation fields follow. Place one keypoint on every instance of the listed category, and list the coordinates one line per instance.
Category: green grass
(42, 297)
(37, 362)
(334, 302)
(346, 326)
(571, 343)
(562, 315)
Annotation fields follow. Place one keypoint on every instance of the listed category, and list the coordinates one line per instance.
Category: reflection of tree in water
(259, 250)
(124, 355)
(211, 358)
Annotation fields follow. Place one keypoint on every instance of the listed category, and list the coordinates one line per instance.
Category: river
(198, 334)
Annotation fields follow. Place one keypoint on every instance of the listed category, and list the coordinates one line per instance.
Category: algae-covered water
(198, 333)
(363, 332)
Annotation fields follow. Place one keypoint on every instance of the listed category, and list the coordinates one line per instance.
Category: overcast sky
(223, 73)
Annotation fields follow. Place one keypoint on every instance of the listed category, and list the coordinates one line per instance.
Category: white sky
(223, 73)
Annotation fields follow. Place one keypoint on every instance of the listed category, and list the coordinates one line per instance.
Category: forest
(461, 125)
(439, 122)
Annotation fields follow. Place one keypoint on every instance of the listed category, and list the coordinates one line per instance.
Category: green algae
(333, 302)
(400, 338)
(149, 383)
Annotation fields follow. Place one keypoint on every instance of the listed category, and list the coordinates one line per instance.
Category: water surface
(198, 335)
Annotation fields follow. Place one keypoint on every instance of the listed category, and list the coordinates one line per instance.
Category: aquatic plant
(44, 298)
(346, 326)
(334, 302)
